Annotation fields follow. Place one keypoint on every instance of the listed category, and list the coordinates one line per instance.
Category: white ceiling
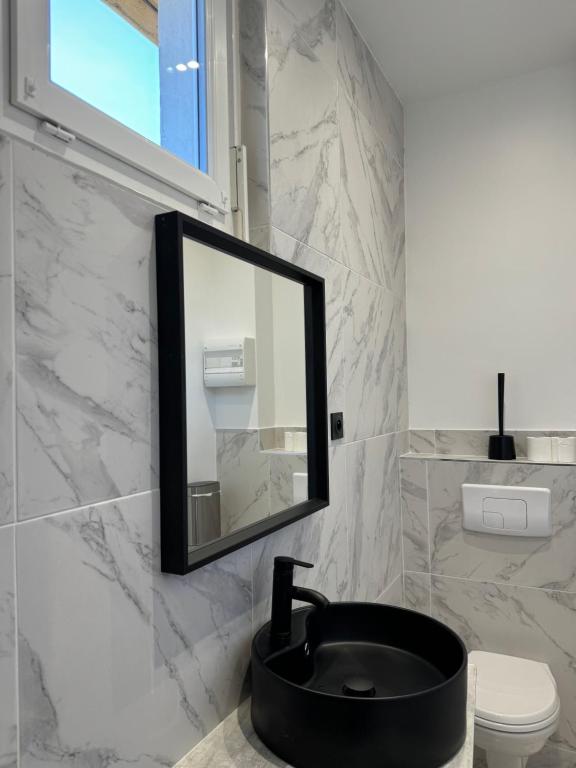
(429, 48)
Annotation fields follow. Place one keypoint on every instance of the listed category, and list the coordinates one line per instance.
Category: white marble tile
(282, 469)
(393, 594)
(371, 364)
(304, 148)
(8, 735)
(417, 591)
(335, 276)
(414, 489)
(422, 441)
(530, 562)
(373, 500)
(118, 663)
(244, 475)
(6, 402)
(321, 539)
(86, 337)
(254, 107)
(315, 22)
(401, 363)
(532, 623)
(5, 206)
(367, 87)
(552, 757)
(371, 202)
(462, 442)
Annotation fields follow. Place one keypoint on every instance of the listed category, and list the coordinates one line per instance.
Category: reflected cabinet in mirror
(243, 412)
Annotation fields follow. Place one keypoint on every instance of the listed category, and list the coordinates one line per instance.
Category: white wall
(491, 248)
(219, 299)
(289, 353)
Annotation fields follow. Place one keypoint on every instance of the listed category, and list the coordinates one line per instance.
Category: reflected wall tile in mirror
(374, 518)
(137, 666)
(315, 22)
(244, 476)
(85, 336)
(371, 202)
(6, 402)
(335, 276)
(282, 469)
(321, 539)
(8, 735)
(531, 623)
(304, 151)
(371, 365)
(546, 563)
(366, 86)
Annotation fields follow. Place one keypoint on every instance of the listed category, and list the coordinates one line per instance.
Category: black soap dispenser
(501, 447)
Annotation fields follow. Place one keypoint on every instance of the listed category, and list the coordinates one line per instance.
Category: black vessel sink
(361, 684)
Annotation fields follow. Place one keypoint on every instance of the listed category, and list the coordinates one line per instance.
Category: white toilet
(517, 708)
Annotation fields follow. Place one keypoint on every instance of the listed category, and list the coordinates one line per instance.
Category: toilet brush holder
(501, 447)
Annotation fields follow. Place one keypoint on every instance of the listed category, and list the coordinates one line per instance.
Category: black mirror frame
(171, 229)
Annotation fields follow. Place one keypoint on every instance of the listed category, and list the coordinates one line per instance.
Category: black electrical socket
(336, 426)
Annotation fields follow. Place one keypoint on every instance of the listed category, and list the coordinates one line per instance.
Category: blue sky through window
(101, 58)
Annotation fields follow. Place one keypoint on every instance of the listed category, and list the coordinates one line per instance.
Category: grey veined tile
(374, 516)
(5, 206)
(543, 562)
(8, 735)
(415, 515)
(372, 362)
(120, 664)
(417, 591)
(6, 402)
(85, 337)
(422, 441)
(531, 623)
(365, 84)
(315, 22)
(371, 202)
(335, 276)
(304, 150)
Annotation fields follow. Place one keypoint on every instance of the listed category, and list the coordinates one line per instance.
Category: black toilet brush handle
(501, 404)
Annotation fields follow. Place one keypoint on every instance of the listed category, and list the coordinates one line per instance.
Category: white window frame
(32, 90)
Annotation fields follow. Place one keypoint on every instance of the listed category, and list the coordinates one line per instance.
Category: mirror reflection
(245, 393)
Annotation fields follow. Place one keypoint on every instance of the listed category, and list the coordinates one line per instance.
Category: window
(138, 78)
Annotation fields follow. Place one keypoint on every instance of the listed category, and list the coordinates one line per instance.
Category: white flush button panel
(507, 510)
(230, 363)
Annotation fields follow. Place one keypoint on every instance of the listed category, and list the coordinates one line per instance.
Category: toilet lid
(513, 691)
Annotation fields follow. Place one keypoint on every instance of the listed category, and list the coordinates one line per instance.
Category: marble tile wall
(113, 662)
(471, 442)
(507, 595)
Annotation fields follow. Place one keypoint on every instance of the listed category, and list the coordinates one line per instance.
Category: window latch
(57, 131)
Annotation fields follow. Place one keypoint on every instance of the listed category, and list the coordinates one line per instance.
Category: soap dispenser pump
(501, 447)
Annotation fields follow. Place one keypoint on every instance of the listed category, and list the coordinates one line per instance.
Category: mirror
(243, 422)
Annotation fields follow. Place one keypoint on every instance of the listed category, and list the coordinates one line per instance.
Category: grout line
(429, 537)
(505, 584)
(84, 507)
(401, 502)
(12, 246)
(334, 260)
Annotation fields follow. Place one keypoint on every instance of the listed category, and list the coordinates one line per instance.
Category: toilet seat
(514, 695)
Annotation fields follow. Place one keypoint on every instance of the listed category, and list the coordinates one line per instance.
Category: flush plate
(507, 510)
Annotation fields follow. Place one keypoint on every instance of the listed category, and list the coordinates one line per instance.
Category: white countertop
(233, 744)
